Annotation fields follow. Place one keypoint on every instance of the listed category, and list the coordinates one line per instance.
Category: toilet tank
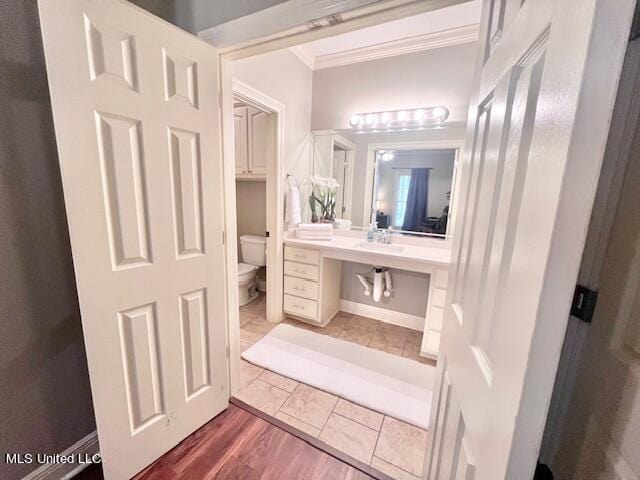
(253, 248)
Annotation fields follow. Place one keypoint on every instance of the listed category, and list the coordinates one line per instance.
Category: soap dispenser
(371, 232)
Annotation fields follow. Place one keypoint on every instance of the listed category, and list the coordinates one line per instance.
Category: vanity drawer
(441, 278)
(300, 288)
(435, 320)
(439, 297)
(303, 255)
(310, 272)
(301, 306)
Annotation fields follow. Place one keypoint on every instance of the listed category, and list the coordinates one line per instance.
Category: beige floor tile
(248, 373)
(335, 327)
(279, 381)
(310, 405)
(263, 396)
(402, 445)
(390, 339)
(358, 331)
(349, 437)
(412, 351)
(391, 470)
(359, 414)
(246, 317)
(299, 424)
(249, 337)
(244, 346)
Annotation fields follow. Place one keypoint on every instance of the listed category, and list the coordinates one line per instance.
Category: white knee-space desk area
(312, 275)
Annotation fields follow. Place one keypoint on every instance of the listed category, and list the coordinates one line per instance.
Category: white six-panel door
(135, 104)
(532, 61)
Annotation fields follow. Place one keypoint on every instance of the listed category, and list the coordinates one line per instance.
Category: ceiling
(434, 29)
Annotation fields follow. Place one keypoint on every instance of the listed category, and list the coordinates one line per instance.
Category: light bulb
(370, 119)
(402, 115)
(418, 115)
(387, 156)
(440, 113)
(355, 120)
(385, 117)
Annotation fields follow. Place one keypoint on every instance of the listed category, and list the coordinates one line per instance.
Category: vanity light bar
(399, 119)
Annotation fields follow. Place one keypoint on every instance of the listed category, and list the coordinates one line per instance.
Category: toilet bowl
(253, 249)
(246, 283)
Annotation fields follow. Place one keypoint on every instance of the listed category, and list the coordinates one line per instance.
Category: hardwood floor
(239, 445)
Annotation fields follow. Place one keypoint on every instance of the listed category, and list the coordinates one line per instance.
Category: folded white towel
(316, 227)
(313, 234)
(315, 237)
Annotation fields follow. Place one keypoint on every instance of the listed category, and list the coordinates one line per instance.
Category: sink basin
(380, 247)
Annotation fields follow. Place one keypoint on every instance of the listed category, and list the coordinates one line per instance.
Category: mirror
(412, 189)
(397, 179)
(334, 157)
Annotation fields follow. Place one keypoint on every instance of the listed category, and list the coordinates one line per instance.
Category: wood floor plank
(239, 445)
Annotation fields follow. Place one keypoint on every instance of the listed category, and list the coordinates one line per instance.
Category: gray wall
(441, 76)
(410, 295)
(45, 400)
(251, 209)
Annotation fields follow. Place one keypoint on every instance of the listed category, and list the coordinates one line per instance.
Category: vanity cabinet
(311, 285)
(435, 312)
(253, 136)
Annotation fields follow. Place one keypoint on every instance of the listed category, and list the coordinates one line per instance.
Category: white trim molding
(406, 320)
(85, 448)
(403, 46)
(304, 55)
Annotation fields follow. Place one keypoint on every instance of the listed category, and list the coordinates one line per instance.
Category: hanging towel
(293, 214)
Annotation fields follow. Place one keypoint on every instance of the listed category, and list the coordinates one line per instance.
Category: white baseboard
(84, 448)
(387, 316)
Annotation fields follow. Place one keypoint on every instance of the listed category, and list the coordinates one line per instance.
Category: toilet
(253, 248)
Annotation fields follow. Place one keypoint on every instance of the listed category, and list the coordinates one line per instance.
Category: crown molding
(304, 55)
(444, 38)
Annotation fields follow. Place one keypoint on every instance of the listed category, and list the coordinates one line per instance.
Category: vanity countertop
(355, 248)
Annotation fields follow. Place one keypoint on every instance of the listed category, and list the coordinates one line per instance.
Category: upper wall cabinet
(253, 130)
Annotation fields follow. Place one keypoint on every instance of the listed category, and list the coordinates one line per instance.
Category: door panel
(511, 187)
(139, 148)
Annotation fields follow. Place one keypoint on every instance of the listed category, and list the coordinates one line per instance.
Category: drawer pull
(300, 289)
(298, 306)
(298, 270)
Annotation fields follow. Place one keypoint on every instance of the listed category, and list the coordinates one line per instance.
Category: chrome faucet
(384, 236)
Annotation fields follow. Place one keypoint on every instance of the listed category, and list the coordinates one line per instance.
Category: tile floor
(389, 445)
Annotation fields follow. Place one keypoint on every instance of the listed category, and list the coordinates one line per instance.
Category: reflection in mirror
(334, 156)
(387, 176)
(413, 189)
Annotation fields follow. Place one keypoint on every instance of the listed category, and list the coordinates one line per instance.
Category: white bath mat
(395, 386)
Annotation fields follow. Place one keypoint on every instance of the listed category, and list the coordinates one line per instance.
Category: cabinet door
(260, 140)
(240, 138)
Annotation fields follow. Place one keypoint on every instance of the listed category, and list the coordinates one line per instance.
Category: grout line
(355, 421)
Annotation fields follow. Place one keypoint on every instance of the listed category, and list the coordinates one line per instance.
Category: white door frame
(275, 210)
(456, 145)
